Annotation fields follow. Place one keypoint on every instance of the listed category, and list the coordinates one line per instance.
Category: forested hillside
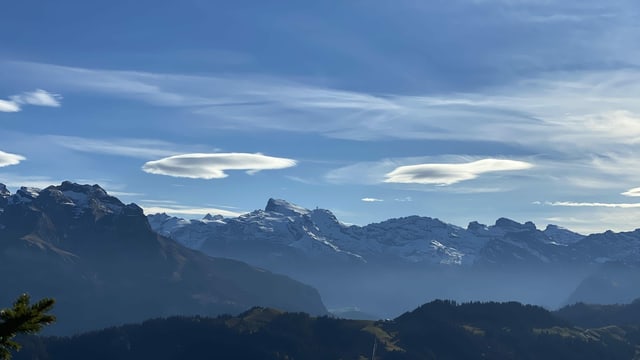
(437, 330)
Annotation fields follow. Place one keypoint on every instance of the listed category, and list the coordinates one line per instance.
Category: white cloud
(447, 174)
(404, 199)
(213, 166)
(7, 159)
(38, 97)
(632, 192)
(594, 204)
(8, 106)
(186, 210)
(370, 199)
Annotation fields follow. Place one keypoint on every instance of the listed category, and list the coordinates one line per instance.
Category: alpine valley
(106, 263)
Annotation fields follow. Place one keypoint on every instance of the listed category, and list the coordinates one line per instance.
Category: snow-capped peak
(210, 217)
(509, 224)
(87, 191)
(283, 229)
(285, 208)
(25, 195)
(561, 235)
(85, 197)
(476, 227)
(4, 192)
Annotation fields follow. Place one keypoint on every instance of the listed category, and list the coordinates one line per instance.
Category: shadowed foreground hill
(105, 266)
(438, 330)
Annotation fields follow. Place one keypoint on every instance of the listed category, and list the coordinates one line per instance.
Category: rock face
(105, 265)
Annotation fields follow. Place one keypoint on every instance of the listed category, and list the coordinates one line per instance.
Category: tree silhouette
(22, 318)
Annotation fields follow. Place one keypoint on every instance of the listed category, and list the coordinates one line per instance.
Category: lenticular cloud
(213, 166)
(7, 159)
(447, 174)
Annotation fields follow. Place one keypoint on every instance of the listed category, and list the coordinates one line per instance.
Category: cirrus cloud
(214, 165)
(594, 204)
(7, 159)
(38, 97)
(447, 174)
(370, 199)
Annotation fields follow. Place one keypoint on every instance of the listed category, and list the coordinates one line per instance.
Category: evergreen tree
(22, 318)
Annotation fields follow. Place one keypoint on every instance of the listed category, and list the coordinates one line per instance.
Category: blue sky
(461, 110)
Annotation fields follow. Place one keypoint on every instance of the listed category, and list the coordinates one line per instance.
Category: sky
(461, 110)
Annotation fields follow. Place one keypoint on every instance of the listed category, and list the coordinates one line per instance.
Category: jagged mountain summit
(105, 265)
(283, 228)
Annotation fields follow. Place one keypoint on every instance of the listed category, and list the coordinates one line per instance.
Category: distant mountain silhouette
(611, 283)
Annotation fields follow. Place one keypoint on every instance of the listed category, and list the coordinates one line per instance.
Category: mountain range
(417, 257)
(104, 264)
(107, 263)
(283, 228)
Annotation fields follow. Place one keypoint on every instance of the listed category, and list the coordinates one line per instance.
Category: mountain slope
(104, 264)
(611, 283)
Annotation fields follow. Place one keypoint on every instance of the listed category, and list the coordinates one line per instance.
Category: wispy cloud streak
(370, 199)
(589, 109)
(137, 148)
(594, 204)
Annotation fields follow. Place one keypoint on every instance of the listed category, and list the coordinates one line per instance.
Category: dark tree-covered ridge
(437, 330)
